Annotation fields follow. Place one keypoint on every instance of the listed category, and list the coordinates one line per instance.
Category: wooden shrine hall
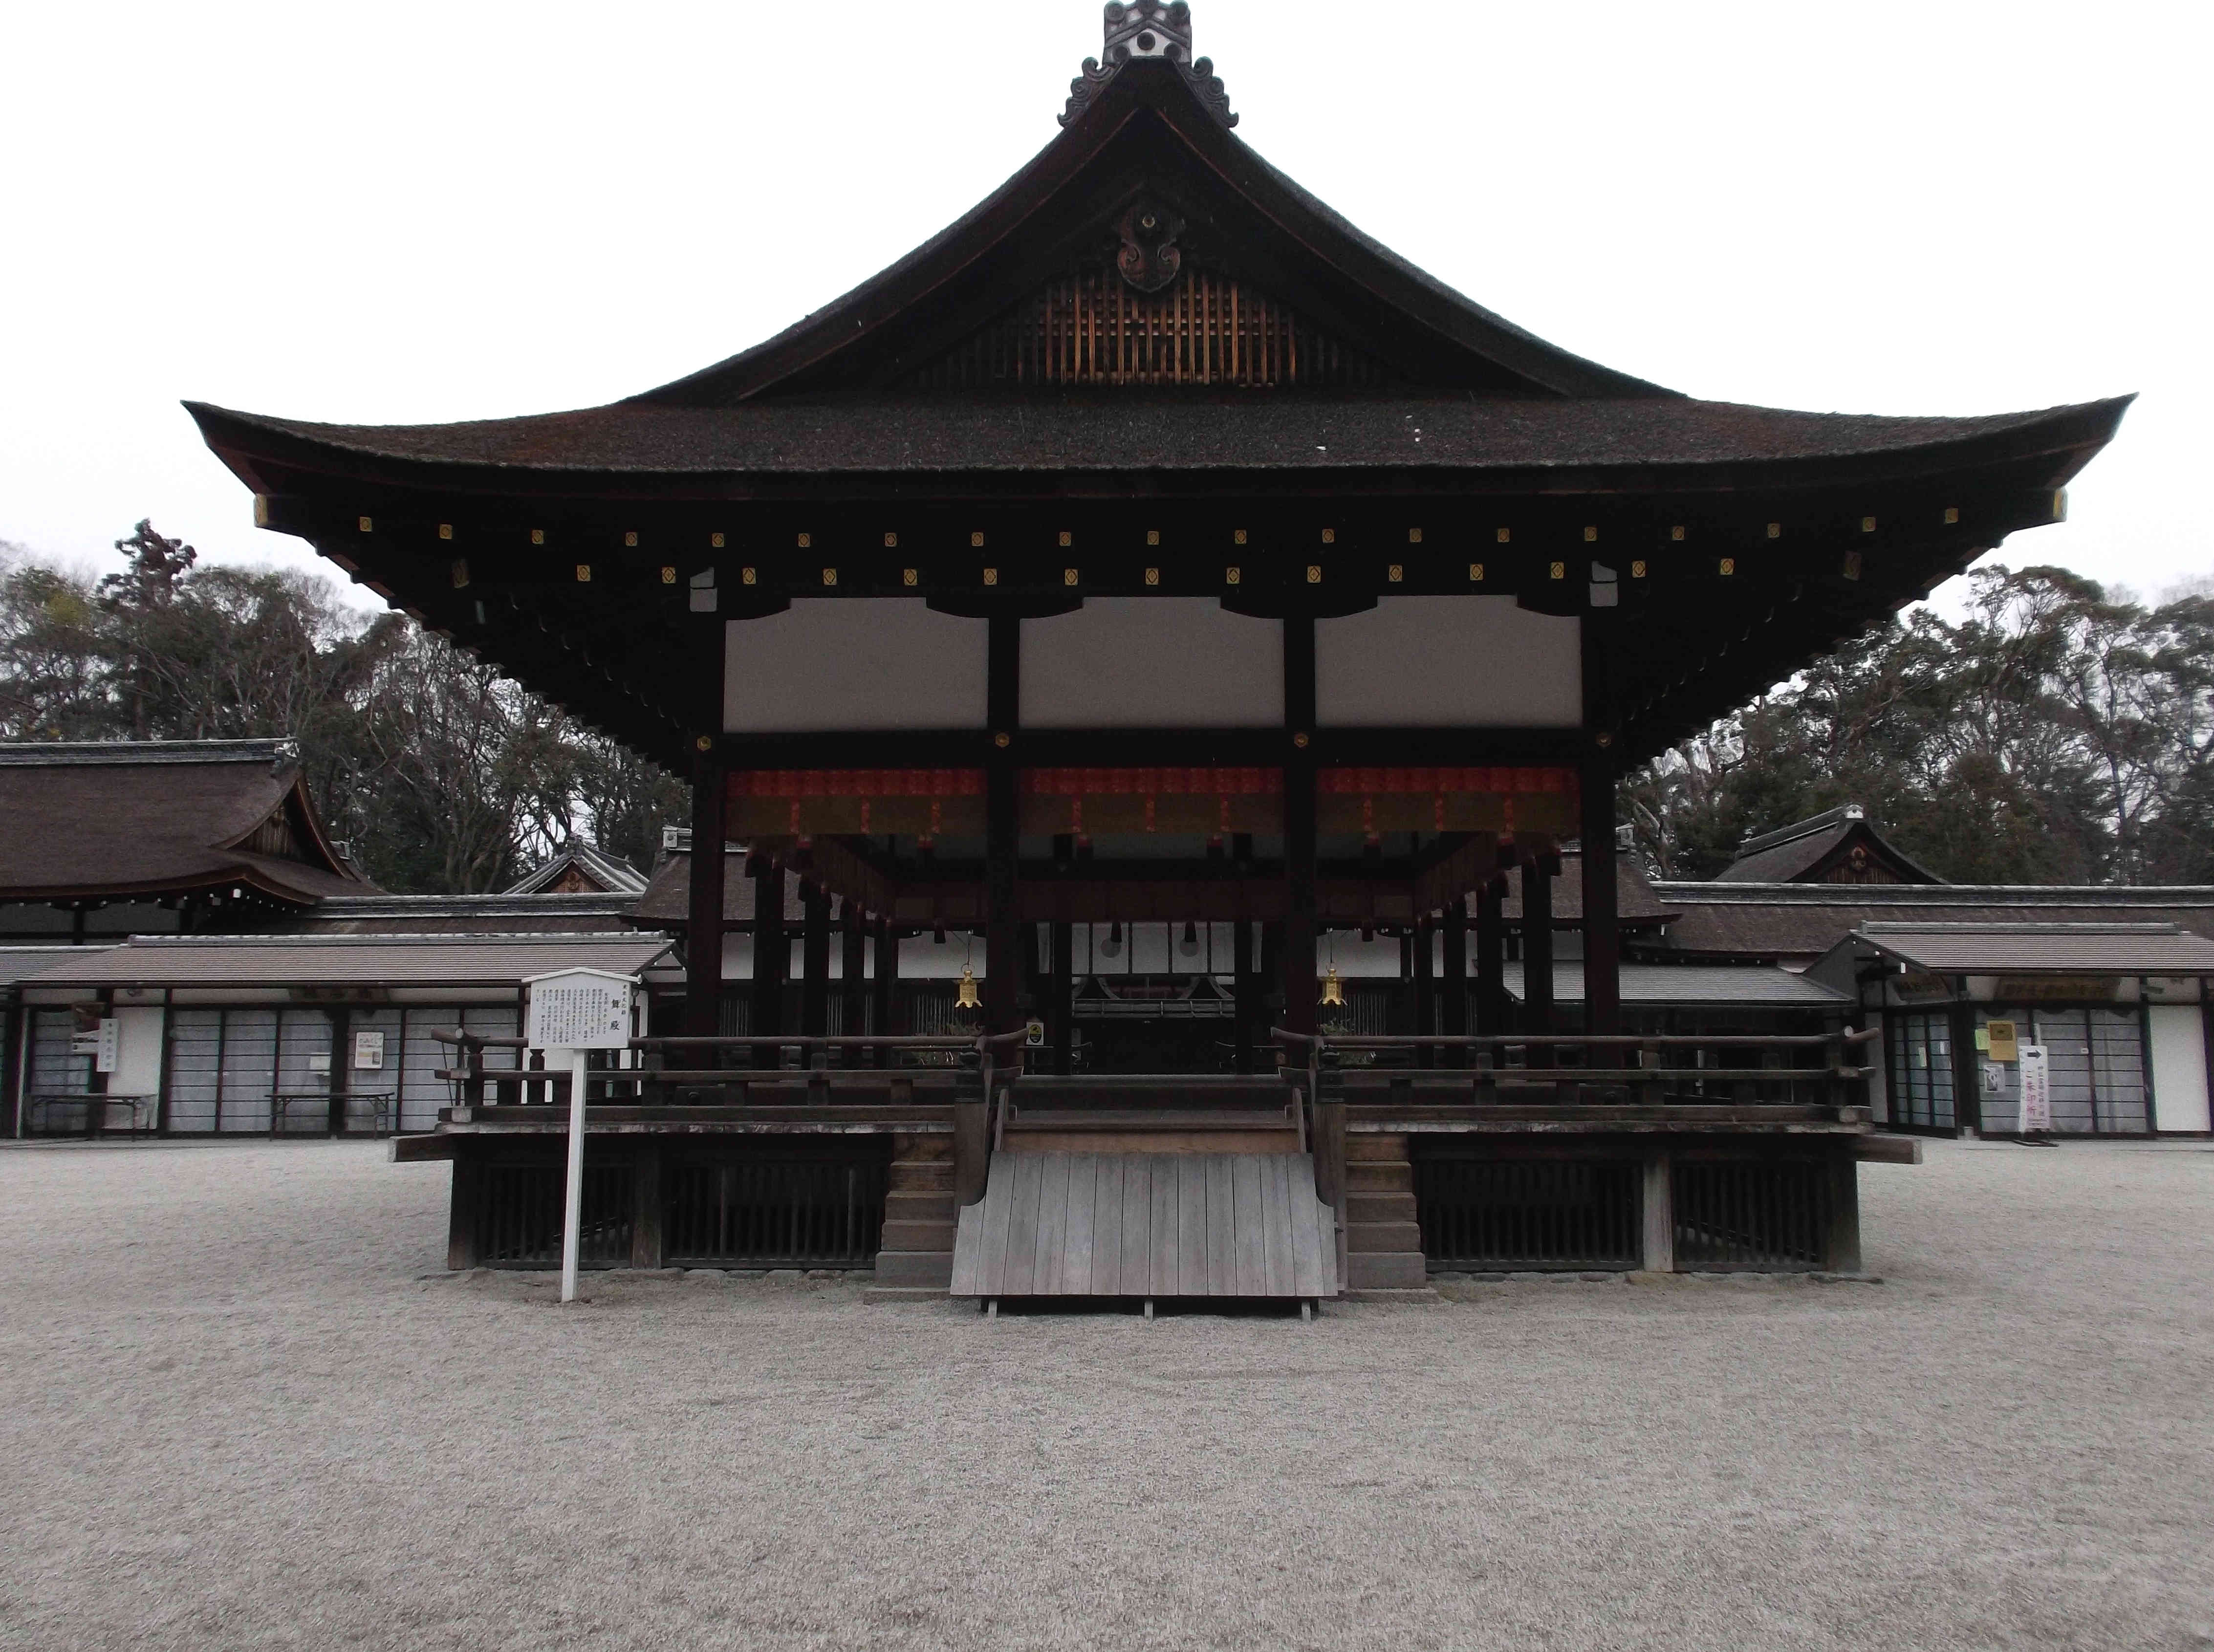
(1153, 547)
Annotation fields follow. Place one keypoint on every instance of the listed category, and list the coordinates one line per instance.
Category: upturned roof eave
(266, 452)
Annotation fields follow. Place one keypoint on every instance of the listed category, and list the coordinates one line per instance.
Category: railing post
(1659, 1249)
(1844, 1250)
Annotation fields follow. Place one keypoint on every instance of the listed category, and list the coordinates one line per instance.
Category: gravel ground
(246, 1408)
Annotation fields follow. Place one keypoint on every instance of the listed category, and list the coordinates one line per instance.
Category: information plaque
(580, 1009)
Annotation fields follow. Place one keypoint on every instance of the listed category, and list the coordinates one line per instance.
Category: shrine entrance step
(1149, 1226)
(1151, 1114)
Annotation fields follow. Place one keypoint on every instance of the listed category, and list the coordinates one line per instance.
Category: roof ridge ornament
(1148, 29)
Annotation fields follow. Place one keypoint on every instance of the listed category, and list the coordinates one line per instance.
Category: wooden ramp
(1152, 1225)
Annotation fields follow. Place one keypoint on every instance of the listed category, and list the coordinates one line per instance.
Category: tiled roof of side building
(1637, 902)
(351, 960)
(467, 915)
(123, 818)
(1802, 922)
(19, 964)
(668, 897)
(590, 864)
(1751, 986)
(2042, 948)
(1789, 854)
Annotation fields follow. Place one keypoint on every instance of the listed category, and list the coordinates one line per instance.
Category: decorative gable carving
(1095, 327)
(1150, 257)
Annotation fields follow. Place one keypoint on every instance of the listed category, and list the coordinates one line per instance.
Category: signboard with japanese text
(2005, 1042)
(580, 1009)
(2036, 1090)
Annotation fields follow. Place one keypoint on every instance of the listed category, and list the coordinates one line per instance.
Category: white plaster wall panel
(1152, 661)
(139, 1056)
(2179, 1067)
(1449, 662)
(862, 663)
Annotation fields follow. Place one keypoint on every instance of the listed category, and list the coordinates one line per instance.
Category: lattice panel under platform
(775, 1212)
(1767, 1215)
(519, 1215)
(1528, 1214)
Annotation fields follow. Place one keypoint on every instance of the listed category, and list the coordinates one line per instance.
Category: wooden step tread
(1103, 1118)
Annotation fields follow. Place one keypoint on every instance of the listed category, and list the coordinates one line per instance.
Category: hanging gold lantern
(967, 997)
(1333, 989)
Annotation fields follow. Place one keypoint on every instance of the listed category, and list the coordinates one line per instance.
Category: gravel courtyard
(247, 1407)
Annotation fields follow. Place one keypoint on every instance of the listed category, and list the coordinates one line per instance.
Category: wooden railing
(677, 1071)
(1816, 1069)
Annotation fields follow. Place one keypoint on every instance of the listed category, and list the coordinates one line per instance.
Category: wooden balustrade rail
(1627, 1061)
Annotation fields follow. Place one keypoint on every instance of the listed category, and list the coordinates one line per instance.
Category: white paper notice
(2036, 1090)
(578, 1009)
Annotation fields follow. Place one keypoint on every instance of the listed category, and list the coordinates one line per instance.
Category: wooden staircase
(922, 1211)
(1383, 1240)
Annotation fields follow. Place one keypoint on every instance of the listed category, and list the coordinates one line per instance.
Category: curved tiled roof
(1126, 432)
(121, 818)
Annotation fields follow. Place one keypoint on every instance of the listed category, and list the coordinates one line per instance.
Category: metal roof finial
(1142, 30)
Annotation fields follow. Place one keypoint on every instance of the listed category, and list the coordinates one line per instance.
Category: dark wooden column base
(462, 1219)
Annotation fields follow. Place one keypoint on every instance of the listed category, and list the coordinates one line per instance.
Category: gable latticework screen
(1092, 327)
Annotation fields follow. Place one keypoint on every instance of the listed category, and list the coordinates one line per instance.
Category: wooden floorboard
(1026, 1176)
(1052, 1252)
(1077, 1237)
(1137, 1226)
(1250, 1226)
(1168, 1234)
(1275, 1231)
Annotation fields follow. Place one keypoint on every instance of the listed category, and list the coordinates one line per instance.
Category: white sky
(403, 212)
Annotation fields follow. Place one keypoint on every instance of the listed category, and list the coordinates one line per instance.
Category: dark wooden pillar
(814, 960)
(853, 973)
(1245, 995)
(1491, 958)
(705, 687)
(1602, 916)
(703, 930)
(1453, 982)
(463, 1213)
(1059, 1010)
(1297, 944)
(1844, 1236)
(1602, 924)
(1002, 939)
(341, 1074)
(1426, 998)
(886, 976)
(1538, 951)
(772, 949)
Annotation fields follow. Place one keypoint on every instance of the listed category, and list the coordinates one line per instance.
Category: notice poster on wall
(2036, 1090)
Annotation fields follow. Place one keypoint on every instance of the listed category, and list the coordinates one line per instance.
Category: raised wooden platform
(1148, 1224)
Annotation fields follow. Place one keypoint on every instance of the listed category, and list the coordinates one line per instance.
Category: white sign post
(2036, 1090)
(573, 1011)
